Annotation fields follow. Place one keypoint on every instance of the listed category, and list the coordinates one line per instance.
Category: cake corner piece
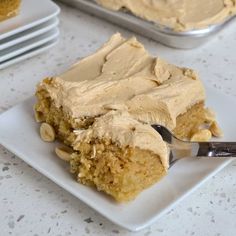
(115, 156)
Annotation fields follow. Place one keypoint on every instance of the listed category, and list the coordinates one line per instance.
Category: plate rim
(52, 23)
(35, 42)
(29, 54)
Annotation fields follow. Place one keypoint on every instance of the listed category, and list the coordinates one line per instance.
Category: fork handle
(217, 149)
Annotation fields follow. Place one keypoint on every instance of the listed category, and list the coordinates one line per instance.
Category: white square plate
(27, 45)
(19, 133)
(32, 13)
(28, 34)
(31, 53)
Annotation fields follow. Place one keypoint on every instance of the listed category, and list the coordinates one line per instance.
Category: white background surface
(33, 205)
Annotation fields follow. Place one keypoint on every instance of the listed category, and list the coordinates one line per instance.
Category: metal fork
(180, 149)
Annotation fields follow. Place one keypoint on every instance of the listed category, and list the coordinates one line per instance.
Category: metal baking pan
(183, 40)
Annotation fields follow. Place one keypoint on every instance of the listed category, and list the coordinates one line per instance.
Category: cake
(9, 8)
(103, 107)
(179, 15)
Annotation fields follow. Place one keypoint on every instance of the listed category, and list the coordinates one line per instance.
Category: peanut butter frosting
(180, 15)
(126, 90)
(125, 131)
(123, 76)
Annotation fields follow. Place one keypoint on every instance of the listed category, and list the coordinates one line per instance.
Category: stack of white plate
(31, 32)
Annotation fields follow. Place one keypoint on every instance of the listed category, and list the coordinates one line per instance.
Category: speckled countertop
(30, 204)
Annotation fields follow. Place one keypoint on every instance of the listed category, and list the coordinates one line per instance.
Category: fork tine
(164, 132)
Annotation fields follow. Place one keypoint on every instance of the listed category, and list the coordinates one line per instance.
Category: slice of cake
(9, 8)
(102, 109)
